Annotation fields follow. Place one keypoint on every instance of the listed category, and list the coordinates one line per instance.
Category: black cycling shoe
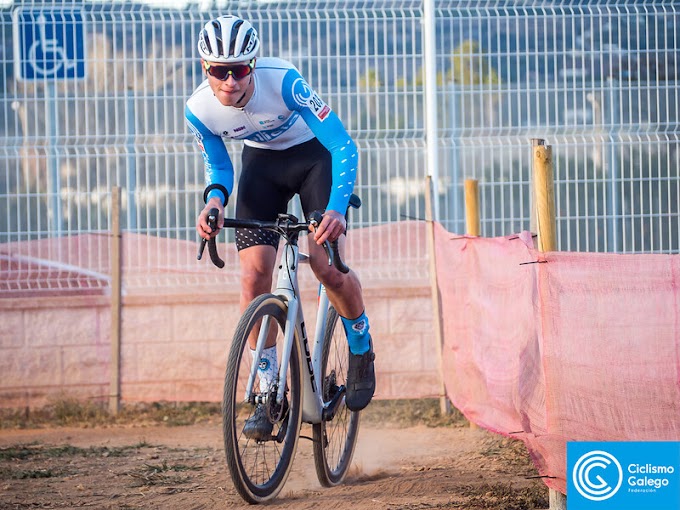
(258, 426)
(360, 379)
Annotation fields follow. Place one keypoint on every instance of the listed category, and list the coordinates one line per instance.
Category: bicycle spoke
(335, 439)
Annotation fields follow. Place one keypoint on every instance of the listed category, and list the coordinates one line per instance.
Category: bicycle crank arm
(331, 408)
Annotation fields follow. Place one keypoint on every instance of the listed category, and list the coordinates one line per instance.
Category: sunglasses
(223, 72)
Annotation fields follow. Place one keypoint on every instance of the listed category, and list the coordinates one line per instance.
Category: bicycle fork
(286, 286)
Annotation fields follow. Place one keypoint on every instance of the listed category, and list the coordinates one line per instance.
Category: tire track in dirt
(178, 468)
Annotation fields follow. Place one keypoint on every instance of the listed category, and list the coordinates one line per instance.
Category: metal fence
(93, 96)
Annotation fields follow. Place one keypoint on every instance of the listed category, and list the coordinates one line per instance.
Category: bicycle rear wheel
(259, 468)
(335, 439)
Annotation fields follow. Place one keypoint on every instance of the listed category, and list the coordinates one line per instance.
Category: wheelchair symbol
(47, 56)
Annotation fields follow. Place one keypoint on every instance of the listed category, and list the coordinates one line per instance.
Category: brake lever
(335, 258)
(331, 248)
(212, 242)
(201, 249)
(315, 218)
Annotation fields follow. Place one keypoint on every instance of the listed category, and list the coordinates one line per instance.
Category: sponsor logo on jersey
(195, 131)
(239, 129)
(301, 92)
(197, 135)
(303, 95)
(324, 112)
(271, 134)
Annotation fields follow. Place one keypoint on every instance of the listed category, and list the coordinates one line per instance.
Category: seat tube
(319, 330)
(312, 402)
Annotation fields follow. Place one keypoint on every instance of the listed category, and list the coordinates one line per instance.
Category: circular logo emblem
(597, 475)
(359, 326)
(301, 92)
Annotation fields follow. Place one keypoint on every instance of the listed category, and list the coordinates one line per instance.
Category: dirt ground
(398, 464)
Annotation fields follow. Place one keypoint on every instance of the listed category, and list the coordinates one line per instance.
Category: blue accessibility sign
(49, 43)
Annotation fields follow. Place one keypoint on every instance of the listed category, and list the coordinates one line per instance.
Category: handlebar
(286, 224)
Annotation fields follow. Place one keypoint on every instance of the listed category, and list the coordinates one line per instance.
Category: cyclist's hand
(202, 222)
(332, 226)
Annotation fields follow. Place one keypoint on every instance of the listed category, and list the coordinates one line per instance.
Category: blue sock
(357, 333)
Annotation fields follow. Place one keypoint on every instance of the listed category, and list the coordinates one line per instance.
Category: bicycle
(310, 384)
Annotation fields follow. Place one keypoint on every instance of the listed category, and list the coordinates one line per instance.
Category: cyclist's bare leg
(257, 267)
(344, 290)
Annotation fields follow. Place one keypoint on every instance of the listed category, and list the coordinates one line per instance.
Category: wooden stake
(444, 405)
(472, 222)
(114, 370)
(545, 197)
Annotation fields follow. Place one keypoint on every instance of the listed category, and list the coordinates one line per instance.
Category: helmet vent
(234, 35)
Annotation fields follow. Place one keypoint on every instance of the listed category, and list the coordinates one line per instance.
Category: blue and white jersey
(283, 112)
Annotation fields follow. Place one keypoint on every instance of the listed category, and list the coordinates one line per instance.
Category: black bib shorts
(270, 178)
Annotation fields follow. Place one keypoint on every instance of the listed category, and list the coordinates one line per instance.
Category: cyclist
(293, 143)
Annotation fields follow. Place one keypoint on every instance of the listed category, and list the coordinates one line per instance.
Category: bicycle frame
(259, 460)
(295, 331)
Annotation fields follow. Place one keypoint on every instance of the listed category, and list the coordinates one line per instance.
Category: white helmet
(228, 39)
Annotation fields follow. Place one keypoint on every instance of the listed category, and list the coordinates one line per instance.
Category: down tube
(321, 316)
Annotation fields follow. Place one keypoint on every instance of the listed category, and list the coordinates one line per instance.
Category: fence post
(472, 223)
(444, 406)
(431, 106)
(114, 368)
(532, 185)
(613, 183)
(544, 194)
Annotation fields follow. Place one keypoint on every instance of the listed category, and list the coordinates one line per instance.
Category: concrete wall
(174, 345)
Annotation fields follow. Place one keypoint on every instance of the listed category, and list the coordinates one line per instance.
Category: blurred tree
(470, 66)
(419, 79)
(370, 85)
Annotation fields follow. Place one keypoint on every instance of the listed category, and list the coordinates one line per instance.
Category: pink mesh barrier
(582, 347)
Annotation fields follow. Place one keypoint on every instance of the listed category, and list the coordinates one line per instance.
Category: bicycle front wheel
(334, 439)
(259, 466)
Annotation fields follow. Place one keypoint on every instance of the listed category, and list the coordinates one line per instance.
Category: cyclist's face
(232, 84)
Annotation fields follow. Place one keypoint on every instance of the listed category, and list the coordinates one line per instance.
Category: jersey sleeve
(329, 130)
(218, 166)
